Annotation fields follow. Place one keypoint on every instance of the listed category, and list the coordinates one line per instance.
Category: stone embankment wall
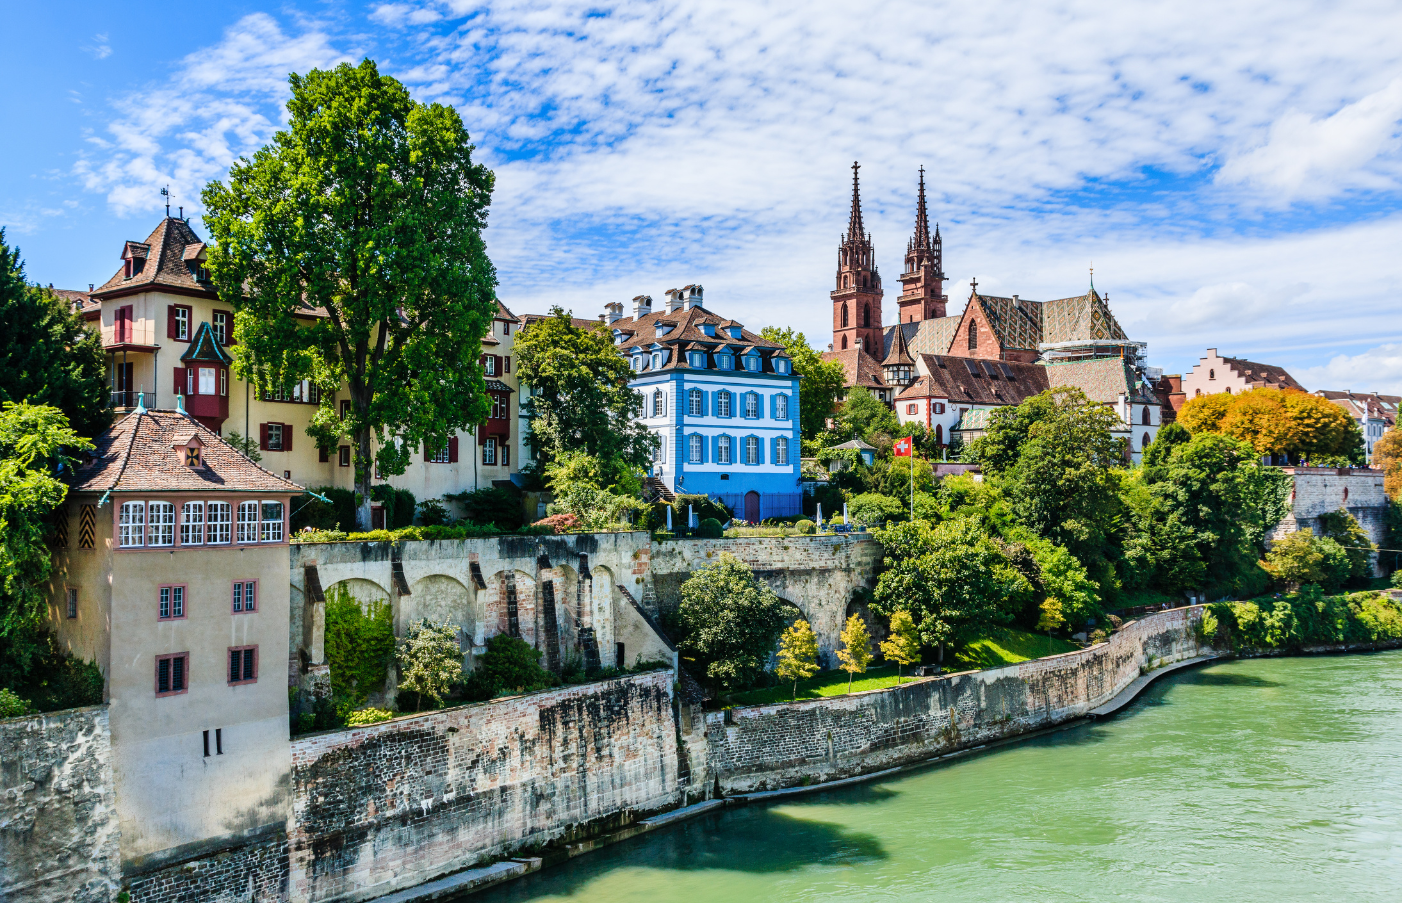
(818, 574)
(392, 805)
(58, 824)
(767, 747)
(1323, 490)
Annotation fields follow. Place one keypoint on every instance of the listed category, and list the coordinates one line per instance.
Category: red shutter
(170, 321)
(428, 455)
(179, 381)
(263, 436)
(484, 362)
(287, 437)
(498, 367)
(453, 450)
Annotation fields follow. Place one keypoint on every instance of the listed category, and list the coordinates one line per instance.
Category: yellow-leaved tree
(798, 654)
(855, 653)
(1278, 422)
(1387, 457)
(903, 645)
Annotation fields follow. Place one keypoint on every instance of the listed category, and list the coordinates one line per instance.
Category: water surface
(1267, 780)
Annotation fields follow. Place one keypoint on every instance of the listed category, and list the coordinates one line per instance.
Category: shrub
(871, 508)
(1397, 578)
(806, 527)
(703, 506)
(399, 505)
(595, 508)
(509, 664)
(490, 506)
(359, 644)
(433, 513)
(710, 528)
(11, 706)
(430, 662)
(559, 523)
(362, 717)
(311, 512)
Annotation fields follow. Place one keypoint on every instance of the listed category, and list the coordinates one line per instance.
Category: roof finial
(973, 285)
(854, 223)
(165, 193)
(140, 403)
(1092, 276)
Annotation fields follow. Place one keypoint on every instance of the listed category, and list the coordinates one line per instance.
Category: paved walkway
(1128, 694)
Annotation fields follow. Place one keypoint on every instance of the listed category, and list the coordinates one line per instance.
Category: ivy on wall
(359, 644)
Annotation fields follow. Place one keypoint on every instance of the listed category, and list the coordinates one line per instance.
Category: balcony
(123, 400)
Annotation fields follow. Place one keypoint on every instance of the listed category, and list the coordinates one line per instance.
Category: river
(1264, 780)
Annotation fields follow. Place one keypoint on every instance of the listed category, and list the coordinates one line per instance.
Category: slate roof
(137, 454)
(965, 380)
(861, 368)
(1103, 380)
(926, 336)
(897, 349)
(686, 334)
(169, 251)
(1259, 375)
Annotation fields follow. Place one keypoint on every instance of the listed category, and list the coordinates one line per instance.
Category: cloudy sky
(1233, 171)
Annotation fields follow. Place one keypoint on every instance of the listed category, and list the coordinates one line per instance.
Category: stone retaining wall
(773, 746)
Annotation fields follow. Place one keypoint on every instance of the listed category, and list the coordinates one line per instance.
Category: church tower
(922, 283)
(856, 302)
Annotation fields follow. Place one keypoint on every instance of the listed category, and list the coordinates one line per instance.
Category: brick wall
(772, 746)
(392, 805)
(58, 826)
(252, 872)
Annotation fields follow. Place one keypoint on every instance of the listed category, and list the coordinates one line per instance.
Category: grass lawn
(1002, 646)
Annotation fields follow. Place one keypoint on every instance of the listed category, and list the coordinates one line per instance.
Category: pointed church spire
(854, 222)
(922, 219)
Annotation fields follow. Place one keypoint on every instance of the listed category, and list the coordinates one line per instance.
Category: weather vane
(165, 193)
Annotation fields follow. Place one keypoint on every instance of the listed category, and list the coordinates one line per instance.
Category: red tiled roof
(168, 251)
(137, 454)
(860, 367)
(687, 334)
(1258, 375)
(964, 380)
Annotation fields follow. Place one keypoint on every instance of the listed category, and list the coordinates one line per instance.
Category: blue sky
(1233, 171)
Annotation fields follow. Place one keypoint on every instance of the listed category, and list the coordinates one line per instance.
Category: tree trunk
(365, 469)
(940, 660)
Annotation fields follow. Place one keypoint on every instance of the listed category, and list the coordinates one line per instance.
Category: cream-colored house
(171, 574)
(167, 334)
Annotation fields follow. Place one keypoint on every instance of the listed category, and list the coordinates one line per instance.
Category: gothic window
(866, 315)
(1144, 443)
(844, 339)
(973, 336)
(844, 320)
(1146, 416)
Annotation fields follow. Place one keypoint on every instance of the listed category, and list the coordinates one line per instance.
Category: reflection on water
(1271, 780)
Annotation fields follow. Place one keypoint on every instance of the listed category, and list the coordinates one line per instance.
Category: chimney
(642, 306)
(693, 296)
(674, 300)
(89, 288)
(613, 312)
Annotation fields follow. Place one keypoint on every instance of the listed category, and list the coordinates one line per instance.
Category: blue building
(722, 400)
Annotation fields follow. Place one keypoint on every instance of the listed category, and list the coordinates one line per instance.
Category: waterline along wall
(773, 746)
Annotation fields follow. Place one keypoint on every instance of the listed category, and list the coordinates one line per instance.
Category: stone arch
(511, 605)
(441, 600)
(361, 590)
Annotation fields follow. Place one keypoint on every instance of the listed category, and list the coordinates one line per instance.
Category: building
(1374, 413)
(722, 401)
(171, 574)
(1213, 374)
(951, 395)
(161, 301)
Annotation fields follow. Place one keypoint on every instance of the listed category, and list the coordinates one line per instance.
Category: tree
(863, 415)
(1296, 559)
(352, 245)
(871, 508)
(580, 399)
(430, 661)
(798, 654)
(823, 381)
(730, 622)
(1277, 422)
(1387, 457)
(951, 576)
(902, 645)
(36, 442)
(1345, 530)
(47, 356)
(855, 653)
(510, 663)
(1204, 413)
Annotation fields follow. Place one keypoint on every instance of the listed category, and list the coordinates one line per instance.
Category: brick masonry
(58, 825)
(254, 872)
(767, 747)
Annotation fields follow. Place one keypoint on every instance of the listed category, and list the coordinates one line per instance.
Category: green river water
(1264, 780)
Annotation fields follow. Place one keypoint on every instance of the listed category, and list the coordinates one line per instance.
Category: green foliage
(359, 644)
(249, 447)
(433, 513)
(902, 645)
(874, 509)
(729, 622)
(399, 505)
(338, 514)
(1302, 558)
(365, 716)
(710, 528)
(11, 706)
(36, 443)
(490, 506)
(702, 506)
(1307, 618)
(823, 381)
(864, 416)
(596, 508)
(47, 356)
(580, 400)
(404, 534)
(1341, 527)
(53, 679)
(952, 578)
(510, 664)
(798, 654)
(430, 662)
(1069, 595)
(806, 527)
(855, 652)
(369, 207)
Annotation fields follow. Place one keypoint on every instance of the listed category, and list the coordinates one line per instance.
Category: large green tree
(35, 444)
(863, 416)
(822, 382)
(46, 355)
(729, 622)
(353, 247)
(580, 401)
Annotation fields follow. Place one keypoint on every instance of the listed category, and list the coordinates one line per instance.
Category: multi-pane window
(751, 450)
(501, 406)
(490, 365)
(660, 455)
(192, 524)
(751, 404)
(171, 671)
(272, 522)
(219, 522)
(752, 363)
(248, 522)
(781, 451)
(440, 456)
(781, 407)
(694, 449)
(131, 525)
(245, 595)
(659, 403)
(305, 391)
(72, 601)
(694, 402)
(722, 404)
(911, 408)
(723, 450)
(221, 327)
(161, 531)
(243, 664)
(489, 450)
(182, 323)
(275, 437)
(344, 458)
(172, 603)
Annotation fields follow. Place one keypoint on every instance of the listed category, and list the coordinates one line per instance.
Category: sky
(1233, 172)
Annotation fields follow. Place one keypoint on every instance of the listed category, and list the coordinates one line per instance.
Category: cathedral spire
(856, 298)
(922, 281)
(922, 219)
(854, 222)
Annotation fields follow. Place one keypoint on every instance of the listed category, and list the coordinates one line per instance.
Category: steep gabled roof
(205, 347)
(965, 380)
(1103, 380)
(169, 252)
(897, 352)
(1259, 375)
(137, 454)
(860, 367)
(1084, 318)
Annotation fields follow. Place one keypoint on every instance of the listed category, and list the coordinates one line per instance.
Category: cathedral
(949, 371)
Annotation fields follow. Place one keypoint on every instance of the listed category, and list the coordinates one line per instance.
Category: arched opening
(1211, 374)
(939, 434)
(1144, 443)
(844, 343)
(844, 320)
(973, 336)
(1146, 416)
(866, 315)
(752, 507)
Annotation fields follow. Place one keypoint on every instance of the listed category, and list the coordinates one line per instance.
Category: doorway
(752, 506)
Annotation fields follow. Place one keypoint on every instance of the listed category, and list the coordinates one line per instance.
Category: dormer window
(781, 365)
(752, 363)
(725, 362)
(735, 332)
(657, 360)
(190, 449)
(698, 360)
(708, 329)
(192, 456)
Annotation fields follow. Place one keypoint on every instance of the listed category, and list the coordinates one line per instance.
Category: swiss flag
(902, 447)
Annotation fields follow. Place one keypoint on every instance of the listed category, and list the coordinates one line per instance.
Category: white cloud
(1317, 158)
(1378, 369)
(100, 49)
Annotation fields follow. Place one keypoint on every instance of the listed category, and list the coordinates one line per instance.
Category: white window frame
(659, 403)
(160, 524)
(270, 529)
(694, 448)
(723, 450)
(247, 523)
(781, 451)
(208, 387)
(781, 407)
(219, 523)
(182, 323)
(131, 525)
(752, 406)
(723, 403)
(489, 451)
(272, 445)
(192, 524)
(695, 401)
(751, 450)
(660, 455)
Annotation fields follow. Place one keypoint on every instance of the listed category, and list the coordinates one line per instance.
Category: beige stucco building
(168, 335)
(172, 575)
